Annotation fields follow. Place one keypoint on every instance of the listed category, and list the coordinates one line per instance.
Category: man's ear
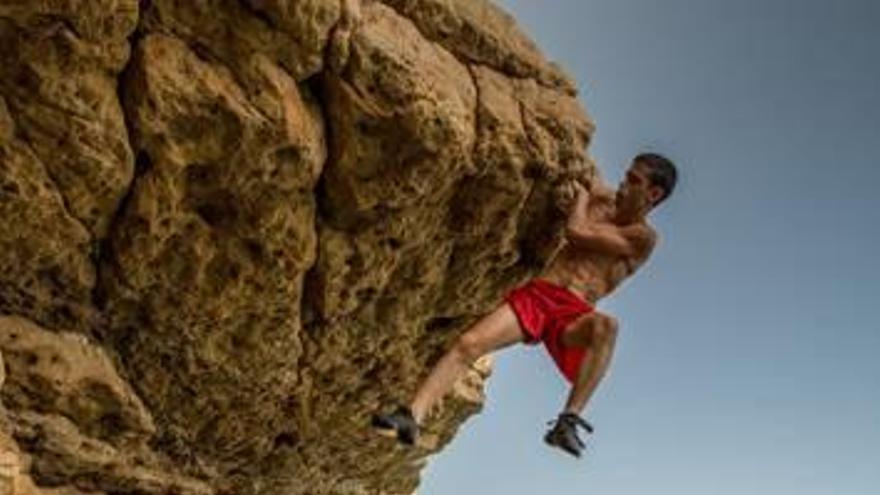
(654, 194)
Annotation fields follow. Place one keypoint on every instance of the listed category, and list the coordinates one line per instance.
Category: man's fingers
(566, 194)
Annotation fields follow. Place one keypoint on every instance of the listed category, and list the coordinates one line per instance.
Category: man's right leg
(498, 329)
(494, 331)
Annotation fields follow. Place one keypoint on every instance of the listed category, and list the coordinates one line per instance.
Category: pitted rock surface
(232, 229)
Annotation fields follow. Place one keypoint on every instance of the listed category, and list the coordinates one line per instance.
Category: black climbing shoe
(399, 424)
(564, 433)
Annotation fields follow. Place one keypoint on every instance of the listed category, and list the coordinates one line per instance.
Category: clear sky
(749, 353)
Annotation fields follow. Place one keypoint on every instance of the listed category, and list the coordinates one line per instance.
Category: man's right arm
(590, 206)
(580, 207)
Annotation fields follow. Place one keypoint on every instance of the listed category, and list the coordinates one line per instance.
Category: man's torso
(591, 274)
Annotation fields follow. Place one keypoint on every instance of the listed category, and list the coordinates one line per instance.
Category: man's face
(635, 191)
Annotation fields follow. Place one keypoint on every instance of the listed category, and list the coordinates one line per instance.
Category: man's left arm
(608, 238)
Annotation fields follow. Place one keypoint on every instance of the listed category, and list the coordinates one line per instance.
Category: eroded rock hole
(218, 209)
(440, 323)
(286, 439)
(10, 188)
(142, 162)
(289, 154)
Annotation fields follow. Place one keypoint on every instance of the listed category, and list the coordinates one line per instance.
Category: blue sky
(748, 355)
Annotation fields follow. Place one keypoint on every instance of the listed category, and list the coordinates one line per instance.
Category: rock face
(233, 228)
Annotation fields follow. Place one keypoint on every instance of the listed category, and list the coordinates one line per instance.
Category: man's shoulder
(643, 236)
(652, 233)
(640, 230)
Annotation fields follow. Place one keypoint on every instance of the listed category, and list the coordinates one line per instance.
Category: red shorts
(544, 311)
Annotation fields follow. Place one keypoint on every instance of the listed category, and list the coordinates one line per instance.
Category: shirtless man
(607, 239)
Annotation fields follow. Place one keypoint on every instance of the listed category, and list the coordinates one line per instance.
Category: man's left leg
(597, 333)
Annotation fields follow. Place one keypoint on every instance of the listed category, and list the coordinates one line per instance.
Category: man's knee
(607, 328)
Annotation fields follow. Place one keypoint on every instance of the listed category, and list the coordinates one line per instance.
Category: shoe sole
(553, 444)
(387, 432)
(394, 434)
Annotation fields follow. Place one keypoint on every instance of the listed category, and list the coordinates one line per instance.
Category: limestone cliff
(231, 229)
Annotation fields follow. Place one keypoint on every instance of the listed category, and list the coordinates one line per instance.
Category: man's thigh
(498, 329)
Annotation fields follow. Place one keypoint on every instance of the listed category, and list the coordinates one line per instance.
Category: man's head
(648, 182)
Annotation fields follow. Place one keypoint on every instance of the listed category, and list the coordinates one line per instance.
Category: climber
(607, 238)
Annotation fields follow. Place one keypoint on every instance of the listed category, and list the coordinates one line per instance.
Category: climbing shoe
(563, 433)
(399, 424)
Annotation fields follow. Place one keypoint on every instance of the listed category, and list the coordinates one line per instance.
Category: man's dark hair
(663, 172)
